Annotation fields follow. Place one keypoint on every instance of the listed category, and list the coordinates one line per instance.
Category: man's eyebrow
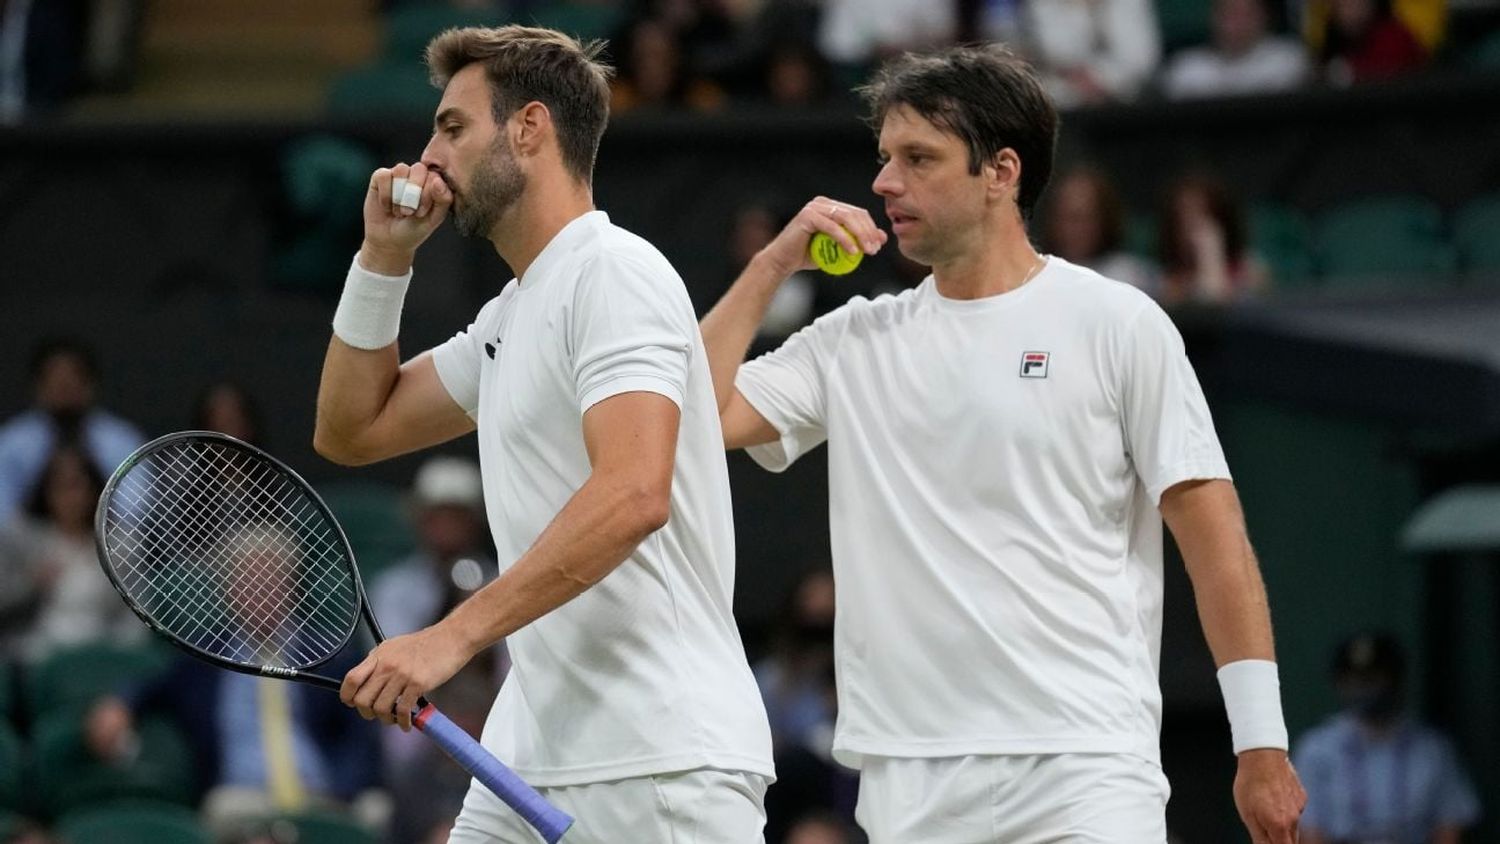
(445, 114)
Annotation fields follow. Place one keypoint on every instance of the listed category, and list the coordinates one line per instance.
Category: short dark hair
(525, 64)
(987, 96)
(50, 348)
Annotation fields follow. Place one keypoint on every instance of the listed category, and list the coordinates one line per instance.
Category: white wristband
(369, 312)
(1252, 697)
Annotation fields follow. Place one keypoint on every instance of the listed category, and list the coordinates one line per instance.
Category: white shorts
(691, 807)
(1056, 799)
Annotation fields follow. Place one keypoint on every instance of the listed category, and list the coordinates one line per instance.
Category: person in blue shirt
(1373, 774)
(65, 382)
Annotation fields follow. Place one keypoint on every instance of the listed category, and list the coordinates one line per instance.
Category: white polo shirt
(644, 672)
(994, 469)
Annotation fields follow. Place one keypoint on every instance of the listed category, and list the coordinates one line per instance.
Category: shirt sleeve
(1457, 804)
(458, 361)
(789, 387)
(1169, 432)
(632, 330)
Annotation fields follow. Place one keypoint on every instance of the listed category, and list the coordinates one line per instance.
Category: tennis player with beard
(629, 704)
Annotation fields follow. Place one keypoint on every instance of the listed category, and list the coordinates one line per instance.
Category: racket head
(230, 555)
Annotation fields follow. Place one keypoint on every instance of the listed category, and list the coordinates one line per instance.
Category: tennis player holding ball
(629, 704)
(1004, 442)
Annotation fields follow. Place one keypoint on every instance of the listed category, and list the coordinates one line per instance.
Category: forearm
(354, 389)
(730, 327)
(1231, 597)
(599, 527)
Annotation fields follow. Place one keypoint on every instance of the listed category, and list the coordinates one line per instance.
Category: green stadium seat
(1184, 23)
(1377, 241)
(1140, 235)
(1486, 54)
(582, 20)
(1282, 236)
(375, 520)
(133, 824)
(7, 689)
(68, 776)
(71, 679)
(327, 828)
(12, 762)
(400, 90)
(1476, 235)
(409, 28)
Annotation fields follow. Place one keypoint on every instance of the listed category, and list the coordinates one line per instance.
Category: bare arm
(632, 443)
(1209, 527)
(371, 407)
(730, 327)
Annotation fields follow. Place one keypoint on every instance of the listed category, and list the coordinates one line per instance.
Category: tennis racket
(231, 556)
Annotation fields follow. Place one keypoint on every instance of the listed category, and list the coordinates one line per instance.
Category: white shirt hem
(586, 774)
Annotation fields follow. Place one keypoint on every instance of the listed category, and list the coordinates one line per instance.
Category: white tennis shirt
(994, 469)
(644, 672)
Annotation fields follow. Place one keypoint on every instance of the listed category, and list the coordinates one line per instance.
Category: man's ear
(529, 127)
(1003, 174)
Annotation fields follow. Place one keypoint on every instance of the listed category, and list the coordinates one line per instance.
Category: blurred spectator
(797, 684)
(1088, 51)
(1203, 244)
(65, 376)
(653, 72)
(1244, 58)
(820, 828)
(860, 32)
(450, 564)
(1085, 224)
(56, 591)
(756, 223)
(795, 75)
(262, 745)
(1371, 773)
(227, 408)
(1362, 41)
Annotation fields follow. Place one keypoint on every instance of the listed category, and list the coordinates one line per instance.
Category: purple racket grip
(548, 820)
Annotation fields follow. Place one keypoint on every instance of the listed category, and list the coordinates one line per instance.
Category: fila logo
(1034, 364)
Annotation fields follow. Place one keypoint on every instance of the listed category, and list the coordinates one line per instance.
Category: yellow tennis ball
(832, 258)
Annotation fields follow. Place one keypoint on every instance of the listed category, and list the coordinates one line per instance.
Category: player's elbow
(340, 450)
(648, 507)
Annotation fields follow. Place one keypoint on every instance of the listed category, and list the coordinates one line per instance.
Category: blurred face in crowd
(448, 530)
(225, 410)
(653, 61)
(754, 227)
(1074, 228)
(937, 208)
(1238, 24)
(1353, 16)
(70, 491)
(64, 385)
(473, 154)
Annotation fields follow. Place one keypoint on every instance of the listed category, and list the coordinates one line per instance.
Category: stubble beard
(497, 185)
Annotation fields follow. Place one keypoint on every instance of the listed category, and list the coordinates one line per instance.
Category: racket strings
(224, 551)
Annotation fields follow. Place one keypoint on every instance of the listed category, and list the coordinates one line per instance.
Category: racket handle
(548, 820)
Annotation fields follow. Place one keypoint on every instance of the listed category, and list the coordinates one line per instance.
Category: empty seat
(1282, 236)
(1476, 235)
(1381, 240)
(375, 520)
(133, 824)
(69, 680)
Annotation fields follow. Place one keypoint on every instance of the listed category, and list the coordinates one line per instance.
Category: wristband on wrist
(369, 312)
(1252, 698)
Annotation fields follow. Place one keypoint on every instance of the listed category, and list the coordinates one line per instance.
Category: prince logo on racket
(629, 703)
